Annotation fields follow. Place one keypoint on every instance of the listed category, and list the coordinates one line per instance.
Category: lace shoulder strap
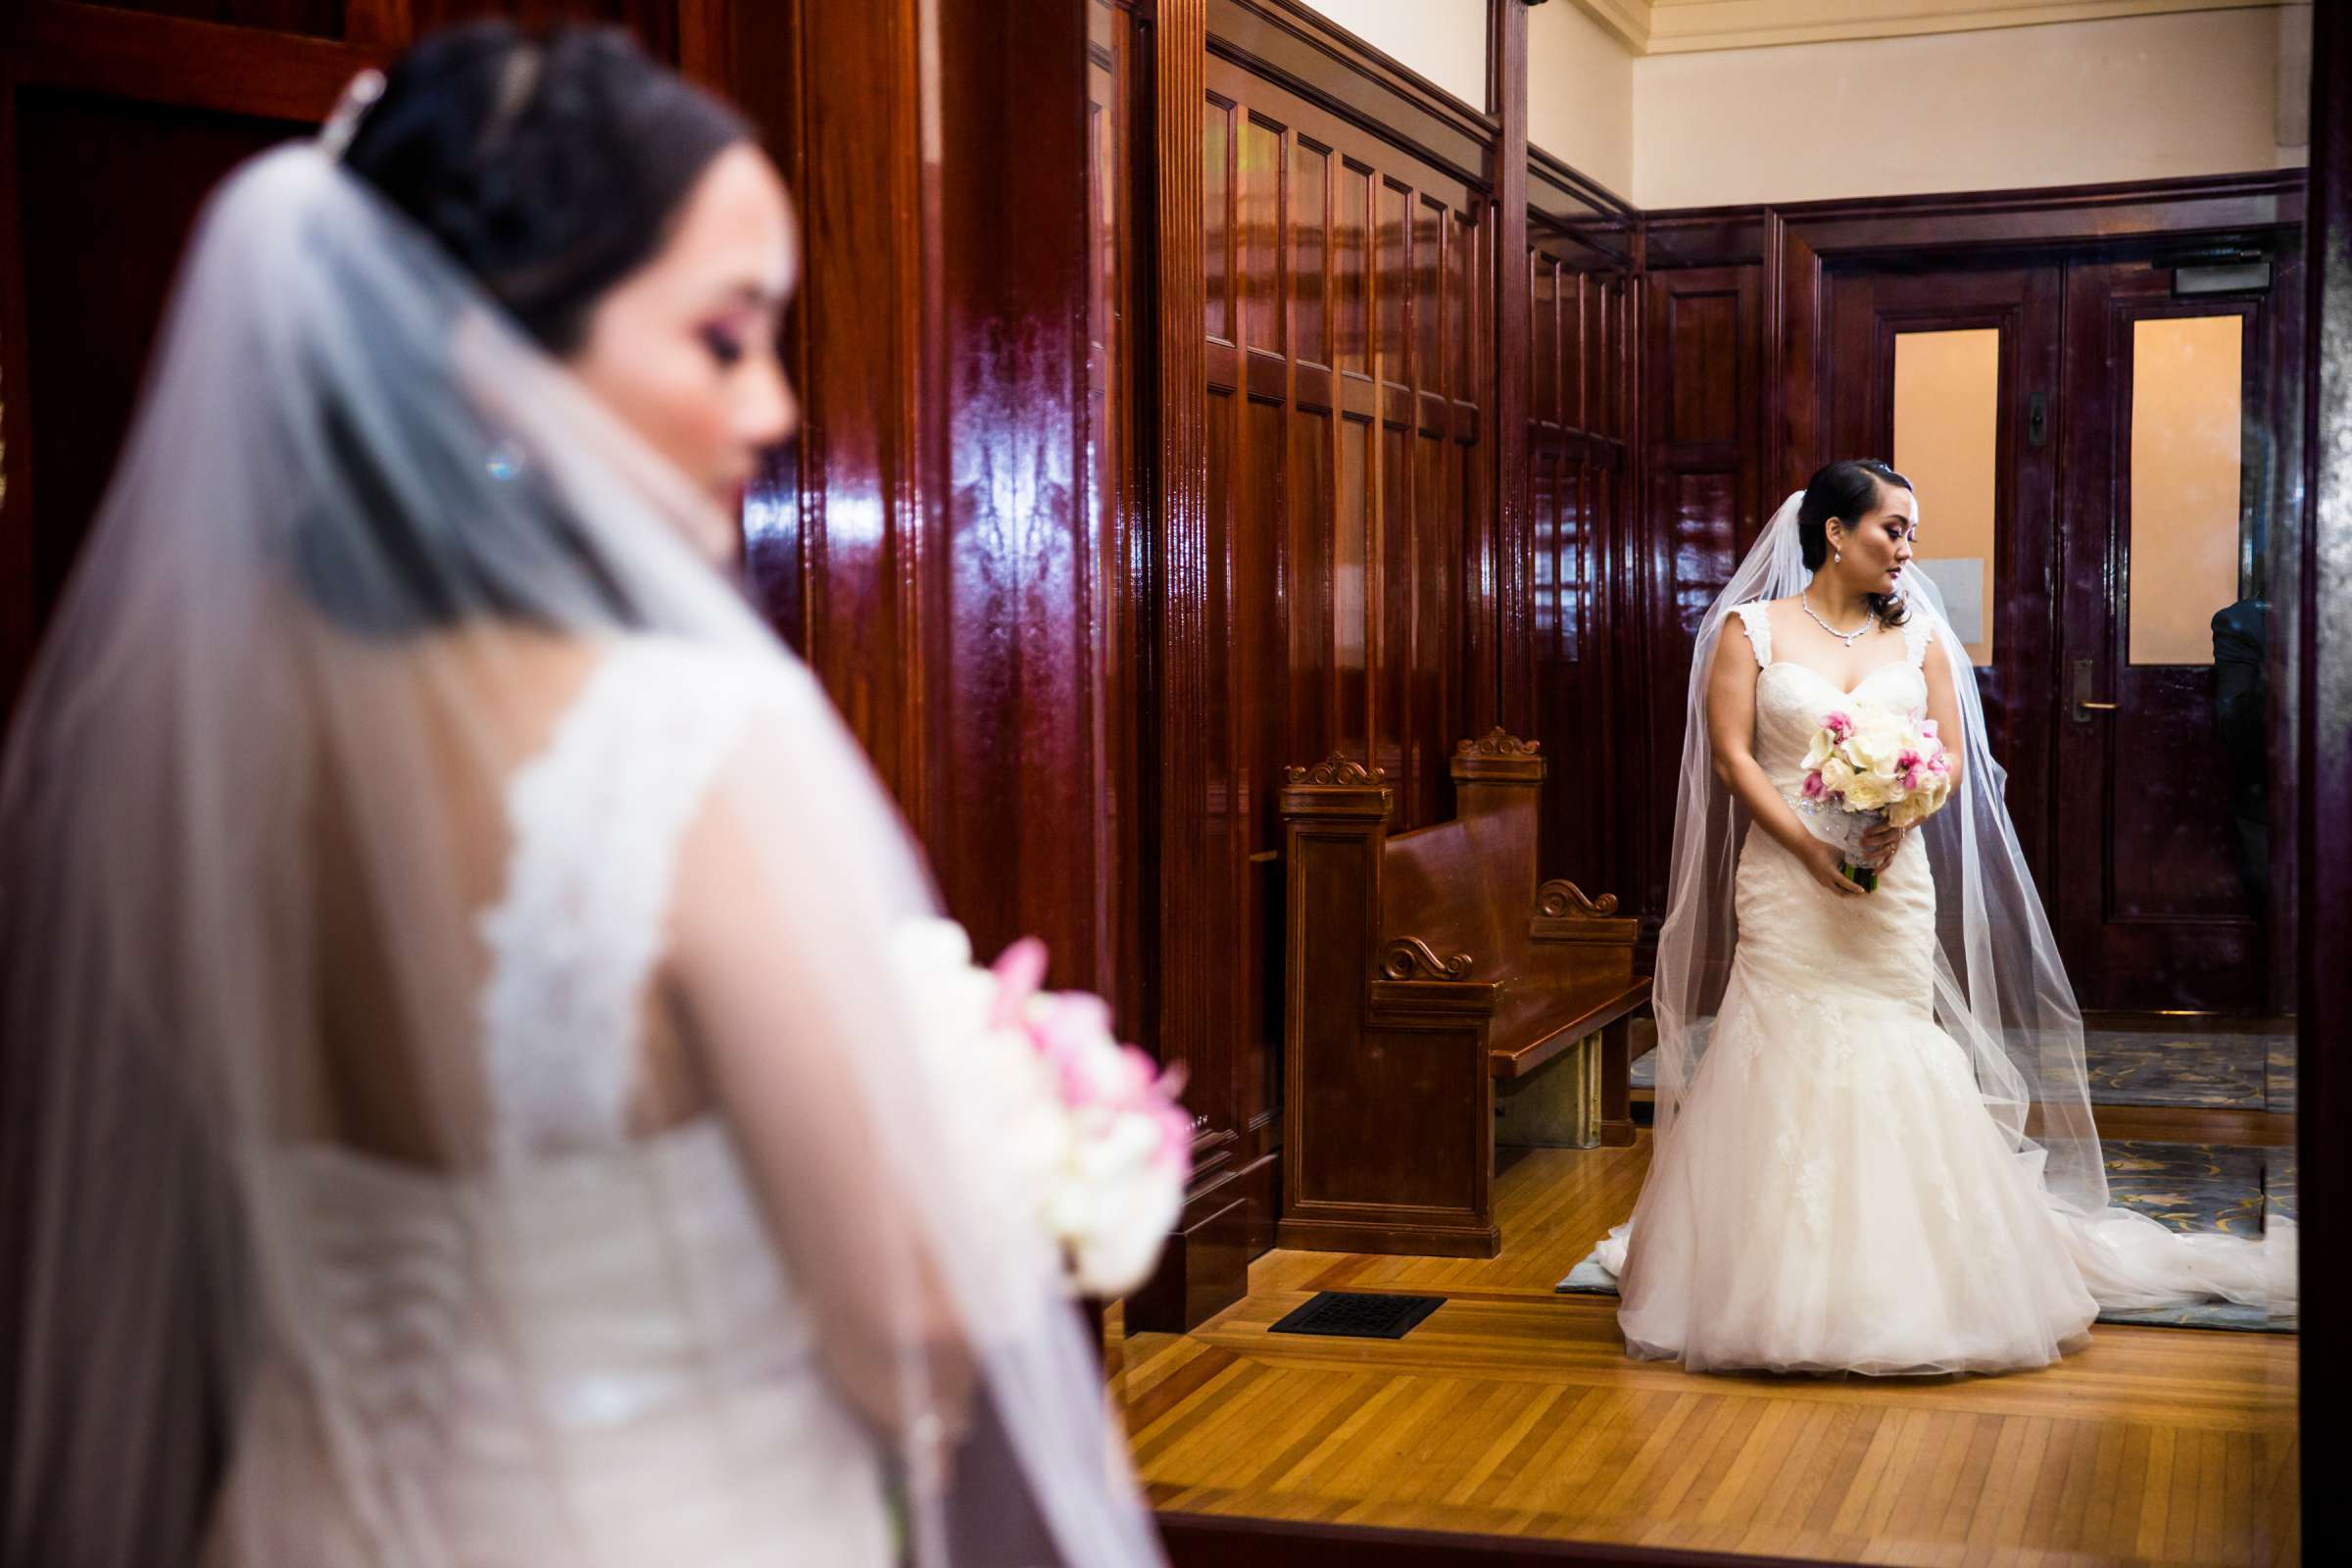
(1757, 617)
(1916, 631)
(596, 821)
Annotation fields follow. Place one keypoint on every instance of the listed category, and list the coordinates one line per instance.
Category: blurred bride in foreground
(465, 1112)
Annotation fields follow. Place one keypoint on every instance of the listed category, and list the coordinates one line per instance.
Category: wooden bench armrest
(1598, 1010)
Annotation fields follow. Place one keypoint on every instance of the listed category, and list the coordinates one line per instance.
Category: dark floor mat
(1358, 1315)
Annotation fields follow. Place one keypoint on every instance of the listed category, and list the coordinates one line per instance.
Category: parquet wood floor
(1512, 1410)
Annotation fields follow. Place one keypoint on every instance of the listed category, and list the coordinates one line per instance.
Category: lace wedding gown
(1834, 1195)
(589, 1354)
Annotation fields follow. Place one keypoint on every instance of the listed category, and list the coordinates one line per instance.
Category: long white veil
(2000, 986)
(362, 540)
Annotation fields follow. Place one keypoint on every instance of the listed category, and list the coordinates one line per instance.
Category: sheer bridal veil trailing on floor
(2000, 988)
(363, 538)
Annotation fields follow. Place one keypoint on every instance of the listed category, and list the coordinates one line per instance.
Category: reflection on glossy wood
(2150, 908)
(1317, 604)
(1702, 455)
(1514, 1411)
(2322, 596)
(1580, 368)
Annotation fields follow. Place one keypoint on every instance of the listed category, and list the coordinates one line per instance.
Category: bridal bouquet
(1867, 767)
(1099, 1146)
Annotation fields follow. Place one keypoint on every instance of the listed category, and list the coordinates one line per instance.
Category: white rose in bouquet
(1085, 1132)
(1870, 766)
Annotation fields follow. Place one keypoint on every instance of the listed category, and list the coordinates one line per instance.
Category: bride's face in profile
(684, 349)
(1876, 549)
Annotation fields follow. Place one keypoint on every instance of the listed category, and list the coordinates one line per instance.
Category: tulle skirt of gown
(1834, 1196)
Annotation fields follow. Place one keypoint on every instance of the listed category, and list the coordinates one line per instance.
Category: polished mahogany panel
(1578, 366)
(2323, 767)
(1290, 44)
(111, 191)
(2148, 894)
(1343, 309)
(936, 542)
(315, 18)
(1118, 531)
(1702, 446)
(1502, 616)
(1420, 967)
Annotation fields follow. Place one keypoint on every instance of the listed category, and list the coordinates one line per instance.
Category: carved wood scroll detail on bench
(1561, 899)
(1411, 958)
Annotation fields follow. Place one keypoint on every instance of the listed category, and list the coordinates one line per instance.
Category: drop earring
(1837, 554)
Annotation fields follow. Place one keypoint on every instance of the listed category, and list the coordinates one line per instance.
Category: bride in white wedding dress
(1874, 1150)
(458, 1109)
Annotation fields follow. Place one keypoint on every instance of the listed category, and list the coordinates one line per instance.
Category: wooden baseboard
(1221, 1541)
(2195, 1124)
(2186, 1025)
(1204, 1270)
(1205, 1265)
(1394, 1240)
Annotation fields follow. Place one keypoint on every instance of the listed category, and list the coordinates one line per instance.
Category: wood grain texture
(2323, 767)
(2147, 900)
(1326, 379)
(1701, 445)
(1513, 611)
(1514, 1412)
(1579, 370)
(1419, 969)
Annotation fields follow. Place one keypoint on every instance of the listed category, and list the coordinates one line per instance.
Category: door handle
(2085, 706)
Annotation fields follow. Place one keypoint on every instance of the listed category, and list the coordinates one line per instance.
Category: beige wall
(1445, 40)
(1580, 94)
(2067, 103)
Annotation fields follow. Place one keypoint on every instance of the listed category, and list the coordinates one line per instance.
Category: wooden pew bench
(1437, 998)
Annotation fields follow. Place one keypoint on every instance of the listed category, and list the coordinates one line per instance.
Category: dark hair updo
(1849, 490)
(551, 166)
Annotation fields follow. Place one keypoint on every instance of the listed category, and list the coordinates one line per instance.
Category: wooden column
(1177, 449)
(2323, 785)
(1206, 1264)
(1511, 567)
(926, 542)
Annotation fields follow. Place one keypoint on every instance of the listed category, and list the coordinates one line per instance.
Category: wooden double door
(2095, 456)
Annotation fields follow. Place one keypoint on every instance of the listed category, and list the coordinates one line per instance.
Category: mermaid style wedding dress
(1834, 1195)
(589, 1354)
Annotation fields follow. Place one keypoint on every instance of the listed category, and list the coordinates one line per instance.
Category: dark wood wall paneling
(117, 121)
(928, 542)
(933, 540)
(1702, 505)
(1582, 253)
(2323, 770)
(1320, 600)
(1756, 287)
(1336, 374)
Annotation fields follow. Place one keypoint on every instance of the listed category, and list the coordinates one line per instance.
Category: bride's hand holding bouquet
(1871, 775)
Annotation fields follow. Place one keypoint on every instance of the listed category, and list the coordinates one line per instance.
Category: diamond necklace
(1845, 637)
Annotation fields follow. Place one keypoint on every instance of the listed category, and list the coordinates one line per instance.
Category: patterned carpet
(2190, 1187)
(2209, 1071)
